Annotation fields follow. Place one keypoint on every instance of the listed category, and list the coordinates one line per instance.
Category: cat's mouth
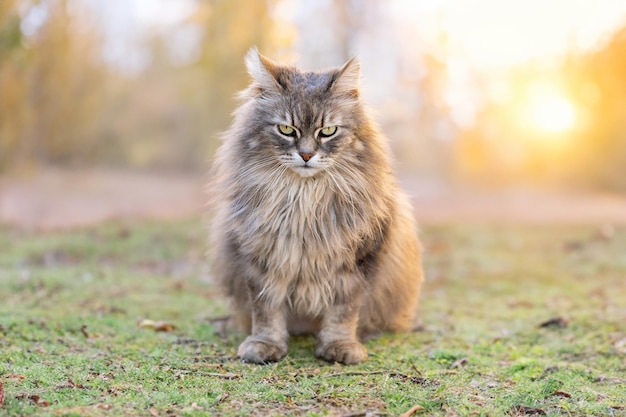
(306, 170)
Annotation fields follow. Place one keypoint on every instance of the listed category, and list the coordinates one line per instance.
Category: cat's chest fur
(303, 235)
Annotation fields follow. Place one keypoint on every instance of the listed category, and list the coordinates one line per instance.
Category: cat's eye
(328, 131)
(287, 130)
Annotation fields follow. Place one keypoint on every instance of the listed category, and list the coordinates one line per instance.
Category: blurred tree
(13, 63)
(598, 80)
(62, 103)
(232, 27)
(50, 86)
(66, 86)
(353, 17)
(169, 115)
(10, 33)
(500, 149)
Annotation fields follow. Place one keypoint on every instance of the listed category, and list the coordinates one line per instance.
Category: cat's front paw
(261, 351)
(348, 352)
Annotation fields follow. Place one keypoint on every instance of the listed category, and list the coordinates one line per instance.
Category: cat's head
(307, 121)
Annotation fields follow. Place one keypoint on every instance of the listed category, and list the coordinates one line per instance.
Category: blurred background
(113, 108)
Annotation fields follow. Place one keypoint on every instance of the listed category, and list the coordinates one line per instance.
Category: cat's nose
(306, 156)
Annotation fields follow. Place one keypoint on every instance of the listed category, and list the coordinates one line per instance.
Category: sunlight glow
(553, 114)
(481, 41)
(501, 33)
(549, 110)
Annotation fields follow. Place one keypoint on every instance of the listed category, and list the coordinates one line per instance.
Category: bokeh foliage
(62, 103)
(498, 149)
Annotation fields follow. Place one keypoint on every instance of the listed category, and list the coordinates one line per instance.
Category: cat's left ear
(346, 79)
(264, 72)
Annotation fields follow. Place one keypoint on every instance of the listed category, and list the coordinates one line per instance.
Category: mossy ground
(517, 320)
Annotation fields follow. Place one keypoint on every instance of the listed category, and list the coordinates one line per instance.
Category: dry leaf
(1, 395)
(153, 412)
(558, 322)
(223, 396)
(69, 384)
(458, 363)
(612, 380)
(562, 394)
(522, 409)
(157, 326)
(34, 398)
(104, 406)
(412, 411)
(450, 412)
(620, 345)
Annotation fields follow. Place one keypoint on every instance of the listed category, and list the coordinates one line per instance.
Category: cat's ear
(263, 71)
(346, 79)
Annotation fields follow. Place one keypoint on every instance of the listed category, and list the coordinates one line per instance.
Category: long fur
(301, 244)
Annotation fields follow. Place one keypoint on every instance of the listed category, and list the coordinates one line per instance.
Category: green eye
(328, 131)
(287, 130)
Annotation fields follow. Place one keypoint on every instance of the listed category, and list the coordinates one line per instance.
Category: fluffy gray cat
(311, 233)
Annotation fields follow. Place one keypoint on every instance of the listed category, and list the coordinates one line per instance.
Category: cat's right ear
(345, 80)
(264, 72)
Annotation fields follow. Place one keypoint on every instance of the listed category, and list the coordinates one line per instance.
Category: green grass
(70, 343)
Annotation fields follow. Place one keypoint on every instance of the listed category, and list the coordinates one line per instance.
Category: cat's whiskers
(256, 167)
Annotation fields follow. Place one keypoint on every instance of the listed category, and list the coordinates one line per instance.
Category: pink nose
(306, 156)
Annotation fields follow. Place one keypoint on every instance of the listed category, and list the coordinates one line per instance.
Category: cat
(310, 231)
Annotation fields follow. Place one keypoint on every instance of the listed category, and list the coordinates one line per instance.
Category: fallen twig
(394, 374)
(226, 375)
(218, 319)
(411, 411)
(366, 373)
(366, 413)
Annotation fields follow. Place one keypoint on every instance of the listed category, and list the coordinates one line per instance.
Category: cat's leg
(268, 341)
(337, 339)
(398, 274)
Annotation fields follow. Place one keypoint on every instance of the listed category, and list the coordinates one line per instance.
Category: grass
(517, 320)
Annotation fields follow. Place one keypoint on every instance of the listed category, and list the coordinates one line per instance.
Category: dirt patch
(59, 199)
(440, 203)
